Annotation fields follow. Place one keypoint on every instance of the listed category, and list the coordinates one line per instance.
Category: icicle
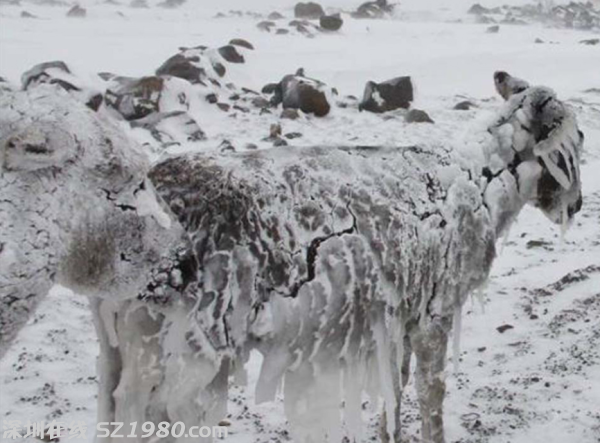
(456, 336)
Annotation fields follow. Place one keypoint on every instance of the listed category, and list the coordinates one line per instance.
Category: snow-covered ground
(536, 382)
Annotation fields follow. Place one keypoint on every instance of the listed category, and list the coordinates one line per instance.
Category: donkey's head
(536, 153)
(75, 206)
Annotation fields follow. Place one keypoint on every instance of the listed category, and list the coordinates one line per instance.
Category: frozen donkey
(337, 264)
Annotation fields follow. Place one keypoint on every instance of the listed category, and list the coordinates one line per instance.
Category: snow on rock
(387, 96)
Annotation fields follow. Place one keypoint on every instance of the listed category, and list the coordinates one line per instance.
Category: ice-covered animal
(337, 264)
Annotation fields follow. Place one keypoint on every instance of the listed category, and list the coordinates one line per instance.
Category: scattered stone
(225, 422)
(226, 146)
(266, 25)
(58, 73)
(300, 92)
(139, 4)
(224, 107)
(275, 131)
(171, 128)
(171, 4)
(591, 41)
(219, 68)
(260, 102)
(464, 106)
(417, 116)
(477, 9)
(77, 12)
(309, 10)
(502, 329)
(387, 96)
(539, 40)
(493, 29)
(135, 98)
(184, 67)
(25, 14)
(242, 43)
(251, 147)
(212, 98)
(293, 135)
(275, 16)
(532, 244)
(230, 53)
(290, 114)
(331, 22)
(279, 142)
(282, 31)
(374, 10)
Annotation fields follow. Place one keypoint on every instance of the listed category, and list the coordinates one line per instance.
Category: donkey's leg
(109, 363)
(430, 348)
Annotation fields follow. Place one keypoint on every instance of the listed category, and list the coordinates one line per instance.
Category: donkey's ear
(35, 147)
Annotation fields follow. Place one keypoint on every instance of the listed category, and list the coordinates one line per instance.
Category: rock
(139, 4)
(230, 53)
(242, 43)
(464, 106)
(309, 10)
(293, 135)
(539, 40)
(224, 107)
(282, 31)
(275, 131)
(417, 116)
(266, 25)
(241, 109)
(219, 68)
(493, 29)
(290, 114)
(300, 92)
(58, 73)
(502, 329)
(275, 16)
(25, 14)
(135, 98)
(279, 142)
(77, 12)
(374, 9)
(212, 98)
(171, 128)
(171, 4)
(331, 22)
(387, 96)
(591, 41)
(260, 102)
(477, 9)
(182, 67)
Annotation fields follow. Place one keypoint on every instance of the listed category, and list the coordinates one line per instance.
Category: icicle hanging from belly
(456, 336)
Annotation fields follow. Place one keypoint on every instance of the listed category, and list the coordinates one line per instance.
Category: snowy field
(538, 381)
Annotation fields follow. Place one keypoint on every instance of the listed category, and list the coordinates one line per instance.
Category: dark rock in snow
(135, 98)
(591, 41)
(139, 4)
(464, 106)
(282, 31)
(260, 102)
(290, 114)
(183, 67)
(275, 16)
(58, 73)
(375, 9)
(212, 98)
(493, 29)
(224, 107)
(502, 329)
(387, 96)
(77, 12)
(293, 135)
(219, 68)
(171, 4)
(299, 92)
(417, 116)
(242, 43)
(477, 9)
(231, 54)
(25, 14)
(309, 10)
(171, 128)
(266, 25)
(331, 22)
